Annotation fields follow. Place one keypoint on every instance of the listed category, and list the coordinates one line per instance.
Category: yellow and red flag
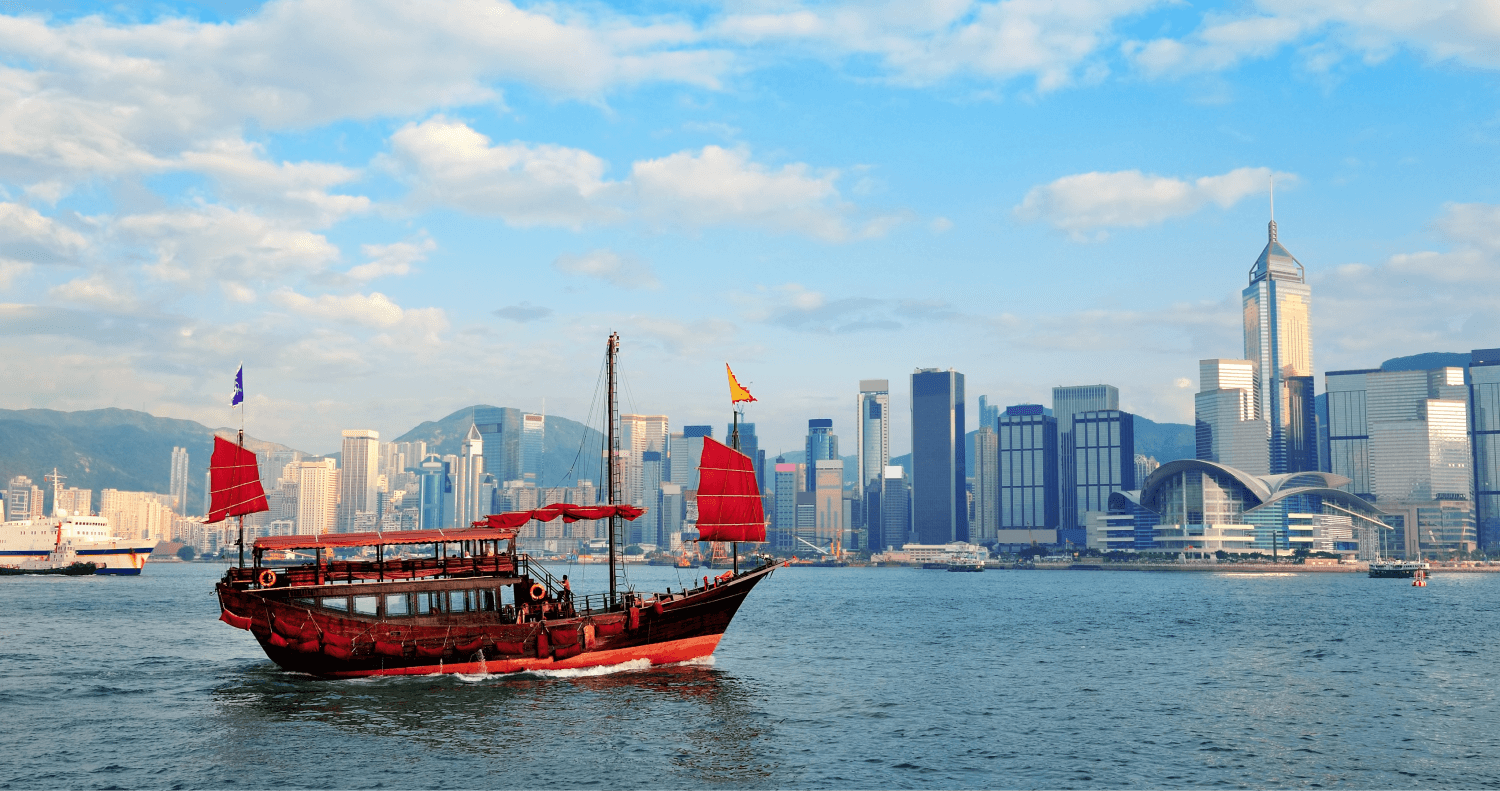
(737, 392)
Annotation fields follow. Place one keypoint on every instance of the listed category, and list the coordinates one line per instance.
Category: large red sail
(729, 507)
(234, 483)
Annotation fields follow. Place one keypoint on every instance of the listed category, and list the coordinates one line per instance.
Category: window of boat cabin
(460, 601)
(366, 605)
(429, 602)
(397, 605)
(340, 603)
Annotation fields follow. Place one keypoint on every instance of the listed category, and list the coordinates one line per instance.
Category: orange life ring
(267, 579)
(537, 591)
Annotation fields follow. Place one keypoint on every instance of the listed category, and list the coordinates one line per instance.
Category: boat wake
(584, 672)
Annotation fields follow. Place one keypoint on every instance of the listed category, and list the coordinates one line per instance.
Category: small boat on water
(1402, 569)
(477, 604)
(966, 565)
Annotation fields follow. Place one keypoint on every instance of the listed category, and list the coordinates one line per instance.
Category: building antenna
(1271, 226)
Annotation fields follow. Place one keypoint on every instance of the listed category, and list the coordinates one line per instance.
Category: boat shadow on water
(706, 723)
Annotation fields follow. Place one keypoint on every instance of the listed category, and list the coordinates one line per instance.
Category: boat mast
(734, 438)
(612, 485)
(241, 541)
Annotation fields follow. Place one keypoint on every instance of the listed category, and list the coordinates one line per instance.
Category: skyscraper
(641, 434)
(468, 472)
(988, 413)
(1278, 343)
(178, 485)
(361, 458)
(1484, 440)
(750, 446)
(1228, 430)
(828, 477)
(434, 492)
(1103, 462)
(872, 443)
(23, 500)
(687, 448)
(1403, 437)
(784, 525)
(821, 445)
(317, 497)
(533, 445)
(939, 502)
(986, 485)
(895, 508)
(1028, 474)
(1067, 402)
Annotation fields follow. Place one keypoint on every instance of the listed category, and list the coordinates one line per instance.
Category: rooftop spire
(1271, 228)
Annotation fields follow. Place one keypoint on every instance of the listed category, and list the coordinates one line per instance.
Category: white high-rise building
(361, 462)
(317, 497)
(872, 431)
(641, 434)
(179, 479)
(1229, 428)
(467, 475)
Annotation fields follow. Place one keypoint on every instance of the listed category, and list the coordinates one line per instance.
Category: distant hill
(571, 451)
(106, 449)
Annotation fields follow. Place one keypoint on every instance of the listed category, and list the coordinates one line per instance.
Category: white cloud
(1092, 202)
(388, 260)
(211, 243)
(922, 43)
(609, 266)
(298, 189)
(719, 186)
(374, 310)
(449, 163)
(10, 271)
(27, 235)
(1463, 31)
(96, 290)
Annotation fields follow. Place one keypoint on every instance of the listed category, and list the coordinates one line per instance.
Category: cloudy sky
(390, 211)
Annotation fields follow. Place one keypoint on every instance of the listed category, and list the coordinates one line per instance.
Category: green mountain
(106, 449)
(571, 451)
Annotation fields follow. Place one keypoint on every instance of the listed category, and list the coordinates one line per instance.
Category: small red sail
(729, 507)
(234, 481)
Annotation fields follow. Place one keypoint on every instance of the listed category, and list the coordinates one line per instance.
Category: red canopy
(729, 507)
(569, 513)
(331, 540)
(234, 483)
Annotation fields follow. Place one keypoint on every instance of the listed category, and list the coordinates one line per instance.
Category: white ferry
(47, 544)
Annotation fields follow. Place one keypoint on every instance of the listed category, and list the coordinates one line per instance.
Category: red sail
(729, 507)
(234, 481)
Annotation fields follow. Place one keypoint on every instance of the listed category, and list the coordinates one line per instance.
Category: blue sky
(391, 211)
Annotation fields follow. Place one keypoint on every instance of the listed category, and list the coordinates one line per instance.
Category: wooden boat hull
(321, 642)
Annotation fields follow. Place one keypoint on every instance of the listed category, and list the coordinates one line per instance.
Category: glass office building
(939, 497)
(1026, 441)
(1484, 439)
(1278, 343)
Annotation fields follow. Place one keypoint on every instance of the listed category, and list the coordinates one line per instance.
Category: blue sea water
(828, 678)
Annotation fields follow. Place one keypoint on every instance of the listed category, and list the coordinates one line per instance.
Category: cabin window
(366, 605)
(304, 602)
(486, 600)
(429, 603)
(340, 603)
(458, 601)
(396, 605)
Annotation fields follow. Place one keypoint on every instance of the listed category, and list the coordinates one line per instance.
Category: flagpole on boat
(239, 394)
(734, 546)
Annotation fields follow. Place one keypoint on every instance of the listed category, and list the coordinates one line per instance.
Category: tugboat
(477, 605)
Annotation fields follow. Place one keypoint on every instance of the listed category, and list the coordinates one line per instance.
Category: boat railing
(526, 568)
(391, 570)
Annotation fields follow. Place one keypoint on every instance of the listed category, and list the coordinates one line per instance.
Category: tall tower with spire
(1278, 343)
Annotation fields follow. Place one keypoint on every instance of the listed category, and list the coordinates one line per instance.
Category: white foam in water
(702, 661)
(603, 670)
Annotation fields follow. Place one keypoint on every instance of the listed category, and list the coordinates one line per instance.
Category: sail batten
(234, 483)
(729, 503)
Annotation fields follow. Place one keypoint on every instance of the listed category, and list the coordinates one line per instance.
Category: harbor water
(828, 678)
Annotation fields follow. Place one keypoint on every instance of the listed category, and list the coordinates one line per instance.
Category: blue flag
(239, 387)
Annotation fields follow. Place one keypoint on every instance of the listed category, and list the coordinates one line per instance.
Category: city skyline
(992, 187)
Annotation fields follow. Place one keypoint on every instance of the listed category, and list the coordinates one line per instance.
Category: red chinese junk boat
(478, 605)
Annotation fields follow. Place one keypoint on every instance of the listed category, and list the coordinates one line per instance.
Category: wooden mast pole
(609, 355)
(734, 546)
(241, 540)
